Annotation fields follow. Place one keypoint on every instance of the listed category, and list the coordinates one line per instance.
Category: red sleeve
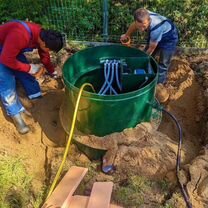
(46, 61)
(13, 45)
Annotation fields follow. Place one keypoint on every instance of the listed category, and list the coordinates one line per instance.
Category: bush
(21, 9)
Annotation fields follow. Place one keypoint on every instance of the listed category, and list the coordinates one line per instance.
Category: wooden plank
(78, 201)
(100, 195)
(115, 206)
(65, 189)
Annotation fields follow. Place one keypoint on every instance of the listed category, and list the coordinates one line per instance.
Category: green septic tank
(104, 114)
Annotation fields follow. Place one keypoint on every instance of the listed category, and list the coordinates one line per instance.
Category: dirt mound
(197, 178)
(140, 150)
(161, 93)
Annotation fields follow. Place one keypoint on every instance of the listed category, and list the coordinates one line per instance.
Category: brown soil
(141, 150)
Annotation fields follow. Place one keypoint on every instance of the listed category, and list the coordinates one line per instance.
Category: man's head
(142, 19)
(51, 40)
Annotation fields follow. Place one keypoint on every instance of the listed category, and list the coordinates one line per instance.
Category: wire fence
(98, 20)
(80, 20)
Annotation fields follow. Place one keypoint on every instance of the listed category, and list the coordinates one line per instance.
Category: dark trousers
(164, 59)
(8, 93)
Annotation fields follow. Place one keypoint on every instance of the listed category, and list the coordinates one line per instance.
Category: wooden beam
(63, 192)
(100, 195)
(82, 202)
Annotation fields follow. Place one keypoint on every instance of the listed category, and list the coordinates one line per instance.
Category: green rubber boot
(22, 128)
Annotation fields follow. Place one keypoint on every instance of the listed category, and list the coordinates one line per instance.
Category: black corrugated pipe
(178, 162)
(157, 106)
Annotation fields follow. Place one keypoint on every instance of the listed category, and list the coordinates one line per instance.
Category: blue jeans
(165, 56)
(8, 92)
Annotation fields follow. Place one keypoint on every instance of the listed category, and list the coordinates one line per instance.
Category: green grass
(15, 183)
(163, 185)
(76, 45)
(131, 194)
(39, 198)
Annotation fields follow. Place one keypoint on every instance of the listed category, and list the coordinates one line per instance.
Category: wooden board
(100, 195)
(65, 189)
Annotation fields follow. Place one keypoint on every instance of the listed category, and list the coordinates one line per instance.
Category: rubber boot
(22, 128)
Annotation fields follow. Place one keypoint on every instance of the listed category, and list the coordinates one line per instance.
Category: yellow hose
(69, 138)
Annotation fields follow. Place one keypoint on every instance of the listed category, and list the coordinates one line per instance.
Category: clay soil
(141, 151)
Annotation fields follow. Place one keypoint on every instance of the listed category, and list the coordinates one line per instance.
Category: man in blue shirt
(162, 37)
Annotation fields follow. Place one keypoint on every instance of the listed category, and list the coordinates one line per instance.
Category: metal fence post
(105, 20)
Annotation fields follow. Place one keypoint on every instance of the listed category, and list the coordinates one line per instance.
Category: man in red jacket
(17, 37)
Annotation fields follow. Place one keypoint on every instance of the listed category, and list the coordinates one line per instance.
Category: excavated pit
(139, 151)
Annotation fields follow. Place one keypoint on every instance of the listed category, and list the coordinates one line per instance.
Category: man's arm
(126, 37)
(152, 46)
(46, 61)
(132, 28)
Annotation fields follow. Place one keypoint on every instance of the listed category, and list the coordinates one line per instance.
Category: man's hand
(141, 47)
(54, 75)
(37, 70)
(57, 73)
(125, 40)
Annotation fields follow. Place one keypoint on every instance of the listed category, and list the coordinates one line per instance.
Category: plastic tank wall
(104, 114)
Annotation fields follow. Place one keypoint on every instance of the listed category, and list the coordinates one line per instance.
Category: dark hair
(53, 40)
(141, 14)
